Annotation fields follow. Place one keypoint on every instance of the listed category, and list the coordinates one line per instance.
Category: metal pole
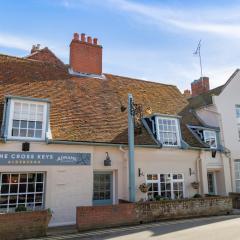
(131, 164)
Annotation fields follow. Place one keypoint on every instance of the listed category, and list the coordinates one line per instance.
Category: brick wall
(105, 216)
(23, 225)
(135, 213)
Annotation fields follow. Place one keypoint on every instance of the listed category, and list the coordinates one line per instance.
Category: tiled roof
(89, 109)
(45, 55)
(204, 99)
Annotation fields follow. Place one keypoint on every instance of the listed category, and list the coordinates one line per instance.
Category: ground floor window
(237, 175)
(25, 189)
(169, 186)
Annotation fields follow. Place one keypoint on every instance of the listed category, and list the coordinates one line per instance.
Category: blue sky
(152, 40)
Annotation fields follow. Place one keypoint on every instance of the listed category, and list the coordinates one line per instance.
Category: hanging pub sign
(44, 158)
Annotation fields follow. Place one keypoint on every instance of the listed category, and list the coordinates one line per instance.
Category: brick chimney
(85, 55)
(187, 93)
(35, 48)
(200, 86)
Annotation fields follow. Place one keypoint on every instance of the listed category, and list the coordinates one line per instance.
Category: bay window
(170, 186)
(25, 188)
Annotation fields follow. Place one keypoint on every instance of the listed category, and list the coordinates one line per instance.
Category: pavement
(209, 228)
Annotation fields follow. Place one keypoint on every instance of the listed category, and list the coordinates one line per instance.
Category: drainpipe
(131, 168)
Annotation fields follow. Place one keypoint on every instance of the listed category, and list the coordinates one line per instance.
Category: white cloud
(25, 43)
(224, 22)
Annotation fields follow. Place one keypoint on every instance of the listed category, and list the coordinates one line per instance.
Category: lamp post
(131, 163)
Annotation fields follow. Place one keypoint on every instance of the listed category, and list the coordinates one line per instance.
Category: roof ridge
(19, 58)
(142, 80)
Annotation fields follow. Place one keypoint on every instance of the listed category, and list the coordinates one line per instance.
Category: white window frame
(204, 136)
(158, 181)
(26, 204)
(237, 110)
(11, 113)
(237, 174)
(177, 129)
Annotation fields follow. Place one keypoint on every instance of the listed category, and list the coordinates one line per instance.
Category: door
(211, 183)
(102, 188)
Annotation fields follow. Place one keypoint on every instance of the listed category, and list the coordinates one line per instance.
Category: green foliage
(197, 195)
(20, 208)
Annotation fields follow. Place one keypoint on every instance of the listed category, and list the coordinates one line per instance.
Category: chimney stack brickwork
(187, 93)
(85, 56)
(200, 86)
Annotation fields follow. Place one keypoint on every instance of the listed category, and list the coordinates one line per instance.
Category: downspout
(198, 177)
(131, 169)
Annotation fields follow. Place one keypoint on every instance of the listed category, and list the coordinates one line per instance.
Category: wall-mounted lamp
(107, 161)
(25, 147)
(214, 152)
(191, 172)
(140, 172)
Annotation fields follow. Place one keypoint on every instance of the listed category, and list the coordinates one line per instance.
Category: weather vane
(198, 53)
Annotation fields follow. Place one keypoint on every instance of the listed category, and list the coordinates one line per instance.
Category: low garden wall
(92, 217)
(235, 199)
(23, 225)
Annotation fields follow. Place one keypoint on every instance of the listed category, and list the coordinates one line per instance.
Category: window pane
(4, 188)
(23, 178)
(39, 187)
(31, 177)
(38, 125)
(15, 132)
(13, 188)
(14, 178)
(23, 132)
(22, 188)
(30, 133)
(31, 124)
(40, 177)
(5, 178)
(16, 123)
(23, 124)
(38, 133)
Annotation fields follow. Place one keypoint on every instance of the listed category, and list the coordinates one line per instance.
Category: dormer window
(210, 138)
(27, 119)
(168, 131)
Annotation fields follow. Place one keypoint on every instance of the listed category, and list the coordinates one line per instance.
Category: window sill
(26, 139)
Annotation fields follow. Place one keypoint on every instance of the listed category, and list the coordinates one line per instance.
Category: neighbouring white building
(64, 136)
(220, 108)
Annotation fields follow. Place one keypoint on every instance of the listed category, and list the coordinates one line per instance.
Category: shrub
(197, 195)
(20, 208)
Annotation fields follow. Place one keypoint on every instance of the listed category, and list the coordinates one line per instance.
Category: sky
(149, 39)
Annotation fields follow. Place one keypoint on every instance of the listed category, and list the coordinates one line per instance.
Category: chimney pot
(95, 41)
(83, 38)
(76, 36)
(89, 39)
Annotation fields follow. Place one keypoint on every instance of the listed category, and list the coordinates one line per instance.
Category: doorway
(211, 183)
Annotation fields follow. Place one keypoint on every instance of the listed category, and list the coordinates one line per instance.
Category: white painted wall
(225, 105)
(70, 186)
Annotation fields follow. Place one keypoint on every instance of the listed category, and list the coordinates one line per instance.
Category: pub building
(64, 136)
